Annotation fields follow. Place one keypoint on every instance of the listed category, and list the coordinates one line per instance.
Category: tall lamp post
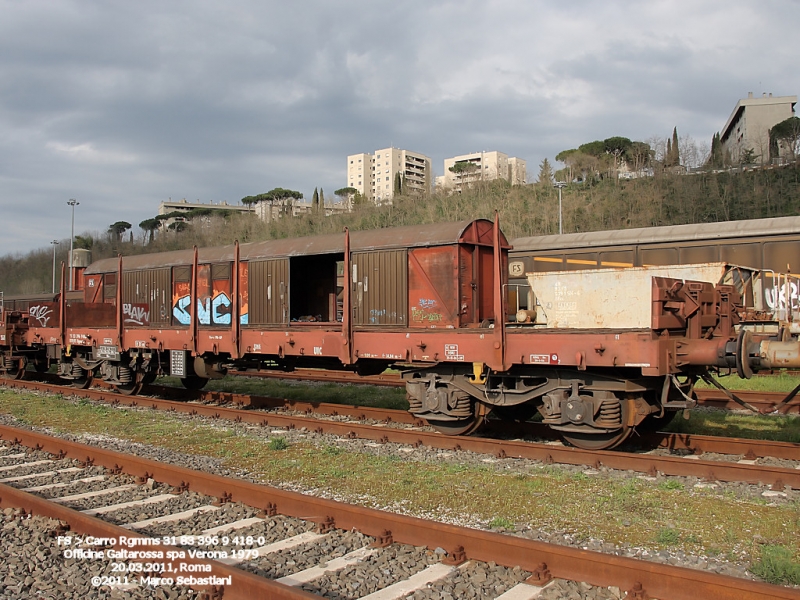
(559, 185)
(54, 243)
(72, 202)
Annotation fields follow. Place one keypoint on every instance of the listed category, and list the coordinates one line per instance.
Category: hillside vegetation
(665, 199)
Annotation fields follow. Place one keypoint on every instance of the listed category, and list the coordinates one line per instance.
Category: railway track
(689, 454)
(764, 401)
(262, 542)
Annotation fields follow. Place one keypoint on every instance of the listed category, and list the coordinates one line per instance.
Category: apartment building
(748, 126)
(263, 210)
(461, 171)
(375, 175)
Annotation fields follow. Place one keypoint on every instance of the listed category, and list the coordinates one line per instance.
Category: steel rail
(777, 477)
(648, 579)
(244, 585)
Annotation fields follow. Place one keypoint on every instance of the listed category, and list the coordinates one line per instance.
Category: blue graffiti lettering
(204, 311)
(221, 317)
(179, 311)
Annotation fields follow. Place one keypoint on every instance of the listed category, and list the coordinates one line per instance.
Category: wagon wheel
(17, 371)
(605, 440)
(652, 423)
(129, 389)
(82, 382)
(194, 382)
(462, 426)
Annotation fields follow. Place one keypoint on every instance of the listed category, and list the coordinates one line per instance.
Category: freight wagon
(430, 301)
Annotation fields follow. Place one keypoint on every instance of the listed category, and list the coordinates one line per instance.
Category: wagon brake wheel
(462, 426)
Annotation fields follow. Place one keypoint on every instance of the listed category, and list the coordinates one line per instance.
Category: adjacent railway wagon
(765, 245)
(431, 301)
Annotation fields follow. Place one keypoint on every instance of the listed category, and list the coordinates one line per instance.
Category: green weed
(278, 443)
(777, 565)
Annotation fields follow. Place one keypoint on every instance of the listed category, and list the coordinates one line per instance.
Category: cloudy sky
(122, 105)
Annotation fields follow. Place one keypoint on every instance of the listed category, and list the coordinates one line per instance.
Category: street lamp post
(559, 185)
(54, 243)
(72, 202)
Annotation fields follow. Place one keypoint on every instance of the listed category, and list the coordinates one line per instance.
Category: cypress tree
(315, 201)
(676, 157)
(321, 202)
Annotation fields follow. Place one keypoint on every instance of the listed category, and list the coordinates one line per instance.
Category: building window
(387, 179)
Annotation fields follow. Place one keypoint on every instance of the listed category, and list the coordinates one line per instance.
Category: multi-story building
(375, 176)
(461, 171)
(184, 205)
(749, 124)
(263, 210)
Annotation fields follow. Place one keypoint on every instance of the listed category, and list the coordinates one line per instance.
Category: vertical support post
(235, 303)
(118, 301)
(346, 354)
(499, 297)
(62, 307)
(193, 299)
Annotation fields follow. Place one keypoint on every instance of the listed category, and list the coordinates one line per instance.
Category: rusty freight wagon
(429, 300)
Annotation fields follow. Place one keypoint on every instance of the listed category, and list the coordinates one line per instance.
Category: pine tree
(545, 172)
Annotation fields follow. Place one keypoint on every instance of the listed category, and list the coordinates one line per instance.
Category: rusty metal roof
(654, 235)
(410, 236)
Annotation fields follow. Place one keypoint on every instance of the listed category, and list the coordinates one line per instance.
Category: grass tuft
(668, 536)
(278, 443)
(777, 565)
(501, 523)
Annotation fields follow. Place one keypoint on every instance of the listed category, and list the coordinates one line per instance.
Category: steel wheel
(16, 372)
(653, 423)
(462, 426)
(193, 382)
(605, 440)
(81, 383)
(129, 389)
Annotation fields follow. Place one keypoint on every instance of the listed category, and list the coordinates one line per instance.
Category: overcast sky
(122, 105)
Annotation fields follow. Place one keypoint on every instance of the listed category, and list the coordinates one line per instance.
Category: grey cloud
(122, 105)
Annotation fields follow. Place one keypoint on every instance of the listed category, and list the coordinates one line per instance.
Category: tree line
(666, 198)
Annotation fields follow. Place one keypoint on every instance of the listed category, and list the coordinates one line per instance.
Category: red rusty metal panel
(267, 286)
(80, 314)
(433, 293)
(93, 291)
(380, 290)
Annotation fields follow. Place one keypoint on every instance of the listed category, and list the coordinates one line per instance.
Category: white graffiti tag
(41, 314)
(777, 297)
(136, 315)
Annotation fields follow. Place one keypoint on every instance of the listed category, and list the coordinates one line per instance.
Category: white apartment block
(374, 175)
(461, 171)
(749, 124)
